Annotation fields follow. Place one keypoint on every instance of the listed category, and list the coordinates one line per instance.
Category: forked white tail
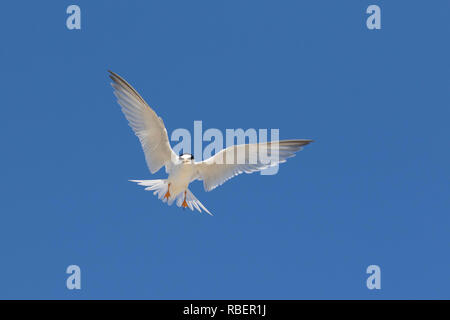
(160, 188)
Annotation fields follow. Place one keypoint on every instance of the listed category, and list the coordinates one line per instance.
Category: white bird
(182, 170)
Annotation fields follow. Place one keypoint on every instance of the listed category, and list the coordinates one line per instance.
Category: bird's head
(186, 158)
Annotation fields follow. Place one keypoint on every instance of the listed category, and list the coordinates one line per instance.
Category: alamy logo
(267, 153)
(74, 280)
(74, 20)
(374, 20)
(374, 281)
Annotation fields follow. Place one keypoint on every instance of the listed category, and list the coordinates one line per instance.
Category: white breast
(180, 177)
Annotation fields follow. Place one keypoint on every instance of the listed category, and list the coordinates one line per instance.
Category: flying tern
(183, 169)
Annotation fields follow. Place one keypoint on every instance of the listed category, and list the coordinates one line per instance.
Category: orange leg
(167, 195)
(184, 205)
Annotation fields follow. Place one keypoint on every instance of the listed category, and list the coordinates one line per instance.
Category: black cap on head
(187, 156)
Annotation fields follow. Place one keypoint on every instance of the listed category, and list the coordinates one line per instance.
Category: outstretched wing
(145, 123)
(246, 158)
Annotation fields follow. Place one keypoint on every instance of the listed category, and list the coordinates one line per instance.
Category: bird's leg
(167, 195)
(184, 205)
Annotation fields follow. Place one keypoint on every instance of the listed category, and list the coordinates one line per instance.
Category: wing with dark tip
(246, 158)
(146, 124)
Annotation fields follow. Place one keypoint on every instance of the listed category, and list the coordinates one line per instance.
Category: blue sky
(372, 189)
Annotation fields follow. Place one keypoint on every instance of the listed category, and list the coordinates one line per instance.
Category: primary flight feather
(182, 170)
